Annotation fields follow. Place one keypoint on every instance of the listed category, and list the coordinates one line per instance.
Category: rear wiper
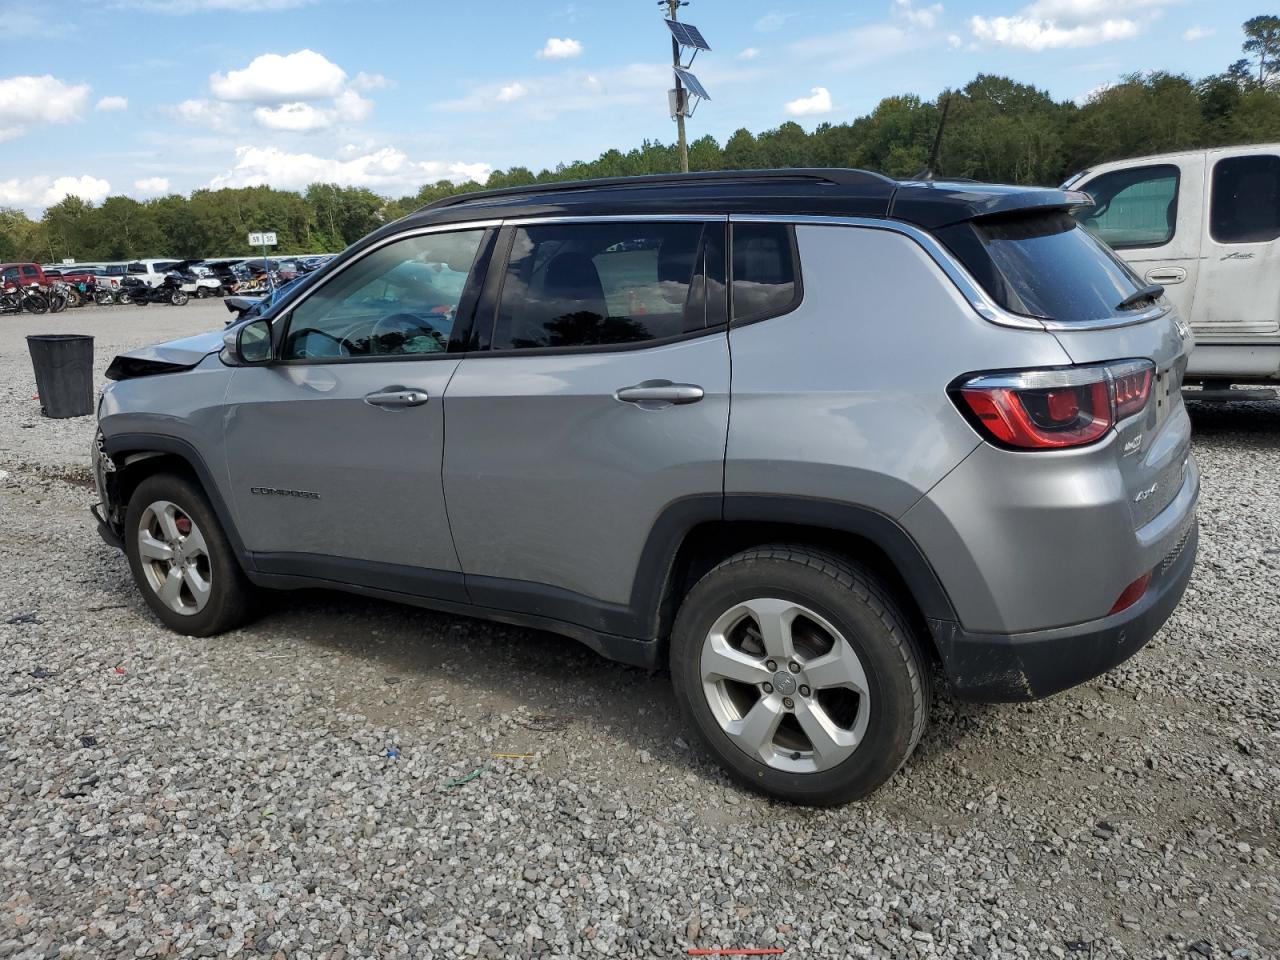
(1152, 291)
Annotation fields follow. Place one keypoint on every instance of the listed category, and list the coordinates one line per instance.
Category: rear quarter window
(1043, 265)
(766, 271)
(1245, 205)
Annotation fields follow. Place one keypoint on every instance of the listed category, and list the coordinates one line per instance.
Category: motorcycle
(17, 299)
(59, 296)
(168, 290)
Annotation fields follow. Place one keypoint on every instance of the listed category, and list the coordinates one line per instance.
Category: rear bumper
(995, 668)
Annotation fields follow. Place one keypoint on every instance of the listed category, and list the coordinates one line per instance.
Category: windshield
(1044, 265)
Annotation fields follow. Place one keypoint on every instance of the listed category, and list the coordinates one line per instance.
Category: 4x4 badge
(1132, 446)
(1142, 495)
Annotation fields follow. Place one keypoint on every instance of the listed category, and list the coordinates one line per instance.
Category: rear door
(599, 399)
(1151, 214)
(1239, 288)
(334, 451)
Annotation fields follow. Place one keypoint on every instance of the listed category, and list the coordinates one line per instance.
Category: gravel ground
(337, 780)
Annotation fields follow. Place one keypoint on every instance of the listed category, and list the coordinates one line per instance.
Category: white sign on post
(262, 239)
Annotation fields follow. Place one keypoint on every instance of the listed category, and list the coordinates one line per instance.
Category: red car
(25, 274)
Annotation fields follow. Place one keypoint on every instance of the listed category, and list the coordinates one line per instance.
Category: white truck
(1205, 225)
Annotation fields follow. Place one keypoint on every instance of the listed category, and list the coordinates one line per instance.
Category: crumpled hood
(168, 357)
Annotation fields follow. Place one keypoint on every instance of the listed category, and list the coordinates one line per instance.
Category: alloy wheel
(785, 685)
(174, 557)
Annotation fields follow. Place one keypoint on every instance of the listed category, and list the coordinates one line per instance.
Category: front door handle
(392, 397)
(653, 394)
(1166, 275)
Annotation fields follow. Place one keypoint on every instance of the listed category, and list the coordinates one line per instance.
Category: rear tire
(829, 692)
(181, 559)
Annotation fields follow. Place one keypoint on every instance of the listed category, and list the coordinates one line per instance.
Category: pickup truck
(1205, 225)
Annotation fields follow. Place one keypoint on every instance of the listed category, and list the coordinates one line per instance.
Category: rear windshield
(1044, 265)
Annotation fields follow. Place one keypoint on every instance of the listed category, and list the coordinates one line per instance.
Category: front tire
(178, 298)
(800, 674)
(181, 559)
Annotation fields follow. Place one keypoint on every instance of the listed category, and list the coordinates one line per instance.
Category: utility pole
(673, 7)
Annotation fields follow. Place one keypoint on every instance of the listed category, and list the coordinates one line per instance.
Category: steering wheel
(396, 330)
(300, 340)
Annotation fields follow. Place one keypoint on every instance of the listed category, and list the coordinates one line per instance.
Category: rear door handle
(659, 393)
(391, 397)
(1166, 275)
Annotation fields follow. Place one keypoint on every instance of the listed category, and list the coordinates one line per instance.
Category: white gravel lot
(174, 797)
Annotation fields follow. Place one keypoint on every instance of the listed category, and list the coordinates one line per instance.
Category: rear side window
(1133, 208)
(1044, 265)
(1245, 204)
(765, 274)
(599, 284)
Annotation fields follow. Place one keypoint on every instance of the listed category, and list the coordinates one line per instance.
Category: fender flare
(187, 452)
(681, 516)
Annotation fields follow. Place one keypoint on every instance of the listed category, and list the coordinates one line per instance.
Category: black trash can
(64, 373)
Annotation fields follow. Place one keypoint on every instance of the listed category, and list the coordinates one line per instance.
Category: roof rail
(839, 176)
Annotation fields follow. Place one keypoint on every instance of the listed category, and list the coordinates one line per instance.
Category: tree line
(996, 130)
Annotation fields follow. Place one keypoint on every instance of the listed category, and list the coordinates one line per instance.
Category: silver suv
(809, 437)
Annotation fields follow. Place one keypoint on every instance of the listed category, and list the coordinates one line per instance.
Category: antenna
(930, 169)
(684, 36)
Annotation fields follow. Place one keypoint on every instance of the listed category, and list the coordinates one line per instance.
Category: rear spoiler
(936, 203)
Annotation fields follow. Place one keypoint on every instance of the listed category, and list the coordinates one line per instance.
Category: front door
(603, 402)
(334, 451)
(1151, 216)
(1239, 290)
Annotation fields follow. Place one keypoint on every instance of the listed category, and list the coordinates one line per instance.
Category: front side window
(598, 284)
(1245, 205)
(1133, 208)
(399, 300)
(764, 271)
(136, 268)
(29, 271)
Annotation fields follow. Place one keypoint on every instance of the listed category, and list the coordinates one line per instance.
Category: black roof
(807, 191)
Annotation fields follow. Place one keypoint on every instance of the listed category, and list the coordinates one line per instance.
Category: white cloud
(31, 101)
(512, 91)
(749, 54)
(293, 117)
(275, 79)
(36, 193)
(924, 17)
(1031, 34)
(954, 41)
(560, 49)
(1049, 24)
(348, 107)
(204, 113)
(818, 102)
(1198, 33)
(771, 21)
(152, 185)
(387, 170)
(112, 103)
(364, 82)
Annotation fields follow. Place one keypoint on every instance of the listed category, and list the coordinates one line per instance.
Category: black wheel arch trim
(189, 454)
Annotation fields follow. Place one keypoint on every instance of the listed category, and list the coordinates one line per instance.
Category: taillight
(1052, 409)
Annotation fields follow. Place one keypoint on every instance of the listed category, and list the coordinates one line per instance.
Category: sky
(148, 97)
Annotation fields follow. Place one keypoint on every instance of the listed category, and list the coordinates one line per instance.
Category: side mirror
(249, 344)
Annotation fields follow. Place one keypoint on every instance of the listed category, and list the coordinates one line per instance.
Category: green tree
(1263, 44)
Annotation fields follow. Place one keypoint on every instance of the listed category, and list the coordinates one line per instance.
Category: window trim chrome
(972, 291)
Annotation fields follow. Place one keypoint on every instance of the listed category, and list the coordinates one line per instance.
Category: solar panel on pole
(687, 35)
(693, 83)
